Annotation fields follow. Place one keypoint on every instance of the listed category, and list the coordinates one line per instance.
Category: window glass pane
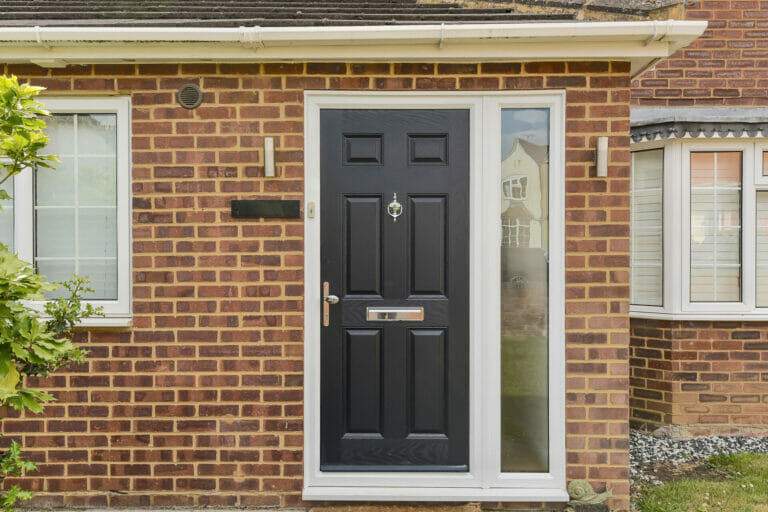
(524, 290)
(716, 227)
(76, 204)
(647, 231)
(60, 129)
(765, 163)
(6, 216)
(761, 249)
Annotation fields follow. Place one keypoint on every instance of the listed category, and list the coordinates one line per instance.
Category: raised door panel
(428, 240)
(363, 245)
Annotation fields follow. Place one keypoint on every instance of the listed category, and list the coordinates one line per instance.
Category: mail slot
(394, 314)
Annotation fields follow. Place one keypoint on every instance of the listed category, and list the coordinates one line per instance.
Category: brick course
(199, 403)
(726, 66)
(708, 374)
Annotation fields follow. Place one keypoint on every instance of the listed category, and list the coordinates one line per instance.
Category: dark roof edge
(664, 123)
(625, 7)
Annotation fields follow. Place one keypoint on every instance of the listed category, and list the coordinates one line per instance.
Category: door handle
(328, 299)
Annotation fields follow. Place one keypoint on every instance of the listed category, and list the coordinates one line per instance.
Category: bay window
(74, 219)
(699, 228)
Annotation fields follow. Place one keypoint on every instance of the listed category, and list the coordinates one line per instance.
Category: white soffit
(643, 43)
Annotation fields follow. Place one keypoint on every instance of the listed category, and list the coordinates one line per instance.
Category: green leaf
(8, 383)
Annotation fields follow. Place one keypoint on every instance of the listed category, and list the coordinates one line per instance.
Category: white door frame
(482, 482)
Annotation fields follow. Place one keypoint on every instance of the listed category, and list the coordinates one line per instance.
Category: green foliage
(11, 464)
(32, 343)
(21, 130)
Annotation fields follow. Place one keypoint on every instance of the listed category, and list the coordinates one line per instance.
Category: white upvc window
(707, 229)
(76, 218)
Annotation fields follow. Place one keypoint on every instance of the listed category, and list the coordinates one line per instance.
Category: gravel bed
(647, 449)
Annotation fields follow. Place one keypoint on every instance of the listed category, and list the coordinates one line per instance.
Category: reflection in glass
(76, 204)
(646, 228)
(716, 226)
(524, 290)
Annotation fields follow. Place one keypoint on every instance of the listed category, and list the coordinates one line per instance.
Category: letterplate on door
(393, 314)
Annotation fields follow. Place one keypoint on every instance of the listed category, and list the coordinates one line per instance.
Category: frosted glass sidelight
(646, 228)
(715, 226)
(524, 249)
(76, 204)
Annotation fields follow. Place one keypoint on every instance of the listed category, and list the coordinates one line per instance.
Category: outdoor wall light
(269, 157)
(601, 157)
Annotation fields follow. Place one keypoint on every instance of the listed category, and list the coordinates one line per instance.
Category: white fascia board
(642, 43)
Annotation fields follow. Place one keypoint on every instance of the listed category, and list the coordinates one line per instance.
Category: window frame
(117, 313)
(677, 228)
(484, 481)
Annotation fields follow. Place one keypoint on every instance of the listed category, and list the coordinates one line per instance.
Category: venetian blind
(646, 218)
(761, 260)
(715, 226)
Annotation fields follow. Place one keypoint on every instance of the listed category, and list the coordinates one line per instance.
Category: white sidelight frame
(117, 313)
(484, 481)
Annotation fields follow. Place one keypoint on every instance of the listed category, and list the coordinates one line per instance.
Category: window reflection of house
(524, 174)
(516, 231)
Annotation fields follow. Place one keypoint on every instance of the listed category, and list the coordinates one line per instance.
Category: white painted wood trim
(117, 312)
(484, 481)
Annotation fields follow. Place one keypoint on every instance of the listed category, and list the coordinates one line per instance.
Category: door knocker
(394, 208)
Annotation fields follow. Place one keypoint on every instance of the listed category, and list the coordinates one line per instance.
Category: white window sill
(432, 494)
(702, 316)
(109, 321)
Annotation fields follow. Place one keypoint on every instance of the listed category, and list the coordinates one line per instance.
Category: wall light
(601, 157)
(269, 157)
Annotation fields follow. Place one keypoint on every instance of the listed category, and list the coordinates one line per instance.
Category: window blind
(715, 226)
(646, 227)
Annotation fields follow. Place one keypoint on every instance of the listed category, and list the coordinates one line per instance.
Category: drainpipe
(657, 36)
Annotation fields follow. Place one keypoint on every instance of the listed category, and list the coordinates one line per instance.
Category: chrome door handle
(331, 299)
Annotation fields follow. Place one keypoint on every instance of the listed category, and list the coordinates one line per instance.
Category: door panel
(427, 245)
(394, 394)
(427, 383)
(363, 245)
(363, 369)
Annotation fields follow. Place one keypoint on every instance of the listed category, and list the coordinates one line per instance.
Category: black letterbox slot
(275, 208)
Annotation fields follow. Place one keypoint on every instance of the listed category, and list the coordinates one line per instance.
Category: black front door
(394, 388)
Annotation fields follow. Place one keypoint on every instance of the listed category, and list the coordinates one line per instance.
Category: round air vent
(189, 96)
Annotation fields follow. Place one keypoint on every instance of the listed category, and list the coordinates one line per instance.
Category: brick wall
(727, 65)
(707, 374)
(200, 402)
